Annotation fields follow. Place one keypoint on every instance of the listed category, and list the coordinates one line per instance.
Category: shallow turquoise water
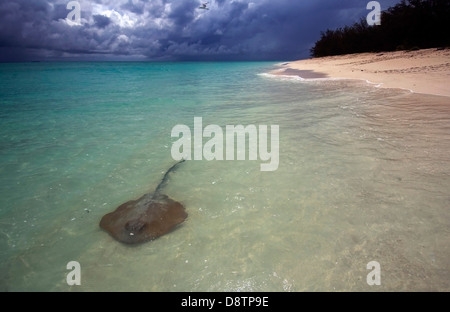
(363, 175)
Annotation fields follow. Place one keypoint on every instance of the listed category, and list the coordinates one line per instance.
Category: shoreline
(424, 71)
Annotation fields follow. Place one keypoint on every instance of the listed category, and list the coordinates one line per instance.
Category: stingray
(147, 218)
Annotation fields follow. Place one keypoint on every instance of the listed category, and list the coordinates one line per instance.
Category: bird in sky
(204, 6)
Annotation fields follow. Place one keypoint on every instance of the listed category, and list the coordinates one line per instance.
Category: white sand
(422, 71)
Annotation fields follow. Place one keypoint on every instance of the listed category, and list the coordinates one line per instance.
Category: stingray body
(146, 218)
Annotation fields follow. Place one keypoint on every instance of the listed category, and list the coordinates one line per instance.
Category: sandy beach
(422, 71)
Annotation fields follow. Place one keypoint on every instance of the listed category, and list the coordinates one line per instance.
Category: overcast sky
(171, 29)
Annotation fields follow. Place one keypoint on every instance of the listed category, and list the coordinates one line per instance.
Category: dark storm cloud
(135, 7)
(183, 12)
(59, 12)
(101, 21)
(171, 29)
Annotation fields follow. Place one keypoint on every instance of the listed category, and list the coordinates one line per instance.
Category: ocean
(363, 177)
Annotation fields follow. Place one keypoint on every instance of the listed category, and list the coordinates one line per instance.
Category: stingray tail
(166, 177)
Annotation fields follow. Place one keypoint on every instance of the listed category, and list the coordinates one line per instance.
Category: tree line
(409, 25)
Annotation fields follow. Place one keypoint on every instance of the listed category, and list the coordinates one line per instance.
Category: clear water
(364, 175)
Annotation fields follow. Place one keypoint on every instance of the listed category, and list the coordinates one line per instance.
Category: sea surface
(363, 175)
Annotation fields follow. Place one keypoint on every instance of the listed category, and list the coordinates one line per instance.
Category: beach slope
(422, 71)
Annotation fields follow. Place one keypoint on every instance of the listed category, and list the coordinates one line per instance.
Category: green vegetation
(409, 25)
